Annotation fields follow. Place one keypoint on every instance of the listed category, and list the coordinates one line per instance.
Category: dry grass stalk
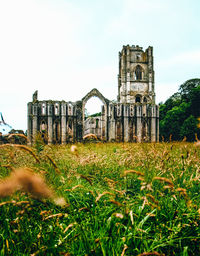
(69, 226)
(133, 171)
(18, 135)
(23, 147)
(24, 179)
(168, 187)
(198, 141)
(86, 178)
(84, 208)
(104, 193)
(152, 198)
(54, 215)
(182, 191)
(168, 181)
(14, 202)
(116, 203)
(121, 192)
(27, 149)
(150, 253)
(110, 181)
(123, 252)
(75, 187)
(184, 139)
(90, 136)
(54, 164)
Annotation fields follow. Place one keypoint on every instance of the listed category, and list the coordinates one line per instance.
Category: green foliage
(176, 112)
(39, 142)
(96, 114)
(189, 128)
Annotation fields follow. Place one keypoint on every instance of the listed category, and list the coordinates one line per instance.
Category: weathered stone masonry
(134, 117)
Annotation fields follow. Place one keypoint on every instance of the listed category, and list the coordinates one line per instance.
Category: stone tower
(136, 75)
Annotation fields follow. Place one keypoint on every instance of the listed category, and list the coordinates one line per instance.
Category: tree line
(180, 114)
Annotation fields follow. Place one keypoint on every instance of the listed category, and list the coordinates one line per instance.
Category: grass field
(121, 199)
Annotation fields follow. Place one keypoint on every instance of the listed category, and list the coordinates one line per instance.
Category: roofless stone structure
(133, 118)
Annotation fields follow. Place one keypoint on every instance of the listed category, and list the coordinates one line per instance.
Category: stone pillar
(157, 124)
(35, 121)
(139, 123)
(153, 123)
(50, 123)
(63, 123)
(128, 88)
(111, 123)
(126, 127)
(29, 123)
(106, 122)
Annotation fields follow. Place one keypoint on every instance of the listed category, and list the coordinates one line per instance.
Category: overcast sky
(65, 48)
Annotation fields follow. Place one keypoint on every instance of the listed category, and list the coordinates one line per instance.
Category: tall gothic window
(138, 73)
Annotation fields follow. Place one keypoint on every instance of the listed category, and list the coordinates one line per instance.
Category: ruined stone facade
(134, 117)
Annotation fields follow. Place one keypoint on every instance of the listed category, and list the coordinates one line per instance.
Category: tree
(189, 128)
(178, 114)
(186, 88)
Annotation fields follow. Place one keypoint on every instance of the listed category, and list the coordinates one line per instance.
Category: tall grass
(121, 199)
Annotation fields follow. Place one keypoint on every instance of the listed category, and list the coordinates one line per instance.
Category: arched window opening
(43, 131)
(94, 121)
(43, 109)
(43, 126)
(138, 99)
(69, 109)
(56, 109)
(138, 73)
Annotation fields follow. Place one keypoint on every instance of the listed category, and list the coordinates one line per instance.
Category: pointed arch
(95, 93)
(138, 73)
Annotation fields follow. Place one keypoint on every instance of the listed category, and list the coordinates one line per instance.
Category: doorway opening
(94, 117)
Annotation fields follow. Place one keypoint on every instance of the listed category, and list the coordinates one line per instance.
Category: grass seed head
(150, 253)
(168, 181)
(104, 193)
(182, 191)
(134, 172)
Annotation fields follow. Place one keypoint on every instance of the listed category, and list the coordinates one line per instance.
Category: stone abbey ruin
(134, 117)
